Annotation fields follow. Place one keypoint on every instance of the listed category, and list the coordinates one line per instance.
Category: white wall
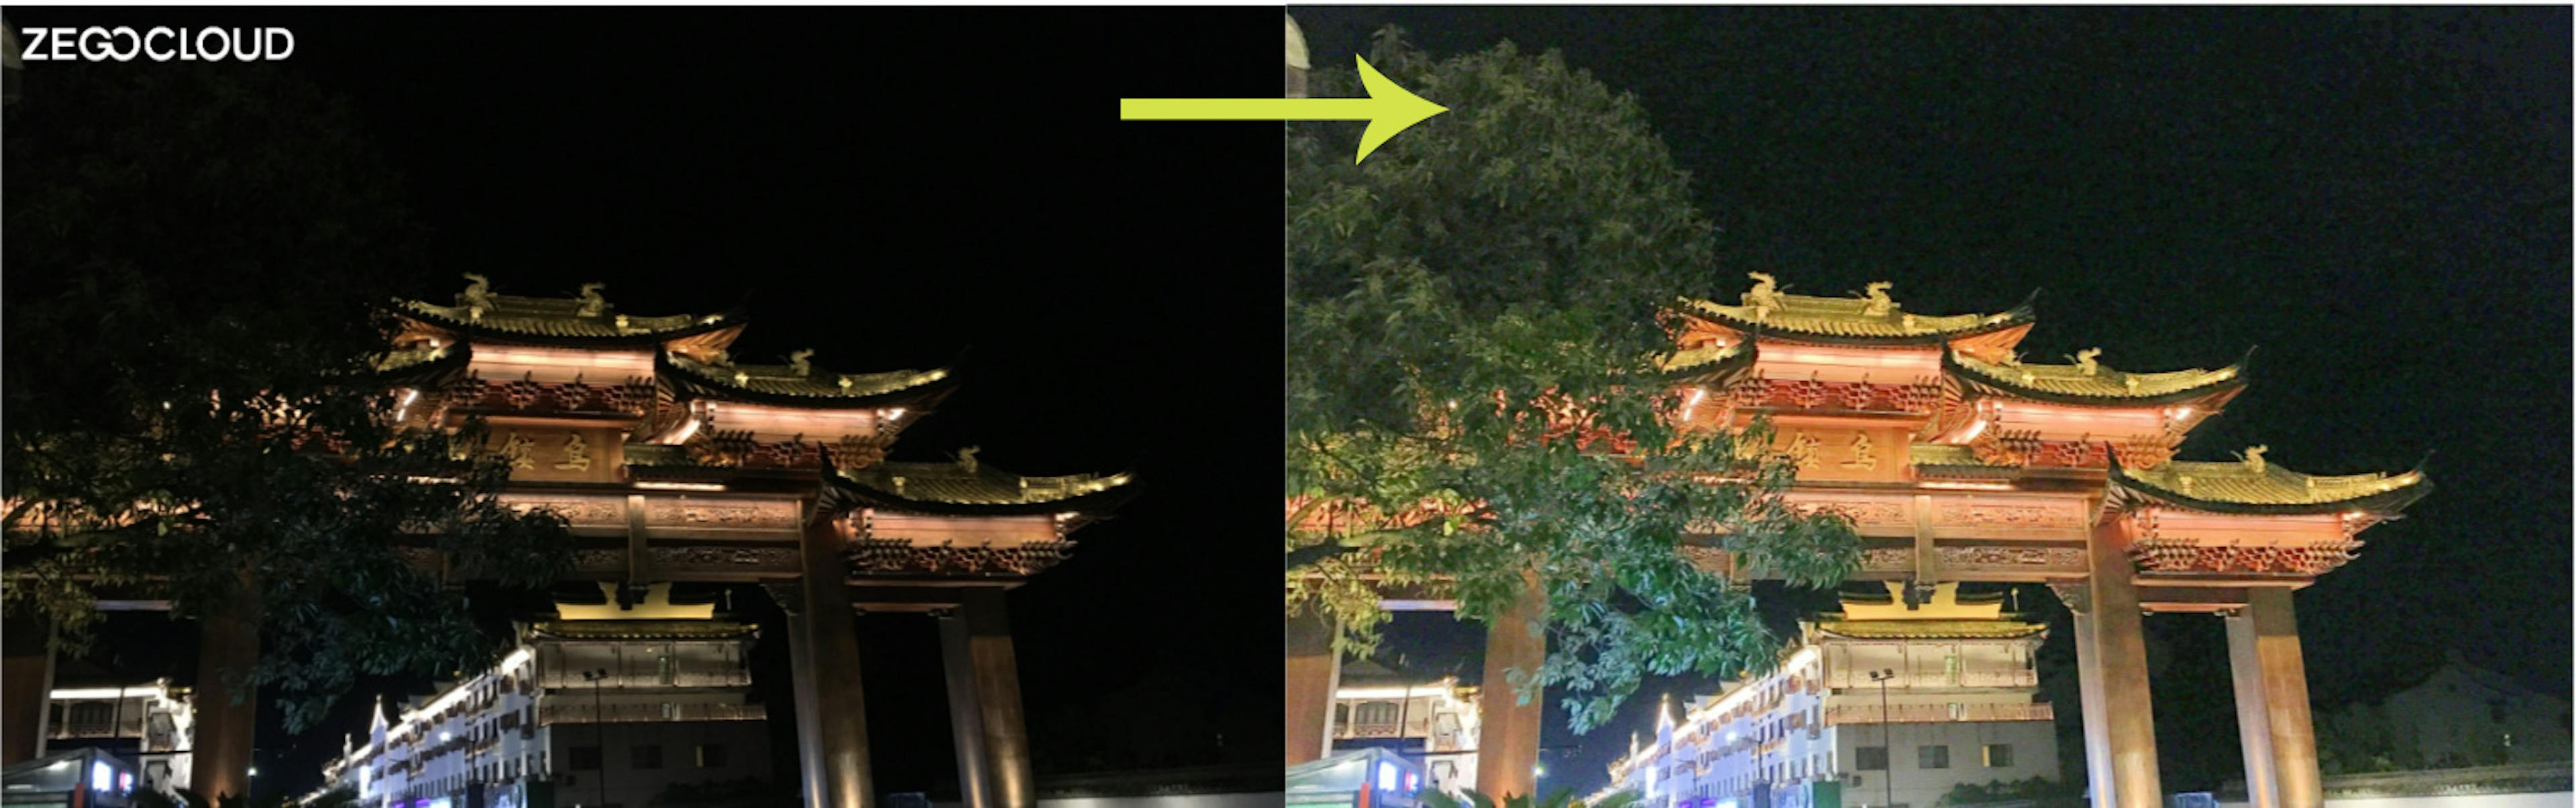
(1269, 800)
(2553, 799)
(746, 755)
(2034, 752)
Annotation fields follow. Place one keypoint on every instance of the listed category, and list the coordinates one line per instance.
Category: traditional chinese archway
(673, 462)
(1957, 461)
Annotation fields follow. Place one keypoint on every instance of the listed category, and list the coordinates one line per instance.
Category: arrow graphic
(1388, 109)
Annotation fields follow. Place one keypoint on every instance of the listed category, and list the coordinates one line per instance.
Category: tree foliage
(198, 260)
(1560, 798)
(2040, 792)
(1472, 385)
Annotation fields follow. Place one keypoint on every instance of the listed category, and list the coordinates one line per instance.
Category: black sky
(897, 188)
(2378, 199)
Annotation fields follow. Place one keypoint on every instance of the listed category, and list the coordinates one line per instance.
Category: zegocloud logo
(159, 44)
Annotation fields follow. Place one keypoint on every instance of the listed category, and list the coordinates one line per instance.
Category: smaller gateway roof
(1706, 362)
(1929, 629)
(791, 386)
(640, 629)
(2256, 486)
(972, 488)
(2080, 384)
(1853, 320)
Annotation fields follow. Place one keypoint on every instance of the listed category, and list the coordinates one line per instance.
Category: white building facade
(1882, 705)
(1431, 722)
(671, 683)
(147, 722)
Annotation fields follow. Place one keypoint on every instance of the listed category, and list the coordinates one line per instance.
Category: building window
(648, 757)
(1373, 713)
(92, 718)
(711, 755)
(1870, 758)
(583, 758)
(1932, 757)
(1998, 755)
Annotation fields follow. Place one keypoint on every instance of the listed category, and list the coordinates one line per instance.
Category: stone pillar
(1314, 672)
(2088, 676)
(1013, 783)
(832, 665)
(1507, 742)
(227, 721)
(2253, 720)
(26, 682)
(809, 732)
(2128, 711)
(965, 714)
(2271, 660)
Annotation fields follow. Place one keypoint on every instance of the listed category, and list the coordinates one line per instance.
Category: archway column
(227, 716)
(965, 711)
(996, 667)
(809, 737)
(2128, 711)
(1508, 739)
(2088, 674)
(1314, 672)
(2271, 677)
(831, 665)
(26, 682)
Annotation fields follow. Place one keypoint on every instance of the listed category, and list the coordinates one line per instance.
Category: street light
(1885, 742)
(599, 727)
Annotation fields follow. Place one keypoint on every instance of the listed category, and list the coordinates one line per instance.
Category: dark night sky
(2378, 199)
(894, 188)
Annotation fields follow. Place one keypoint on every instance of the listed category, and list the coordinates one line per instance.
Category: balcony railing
(1386, 730)
(637, 713)
(2002, 678)
(724, 678)
(132, 727)
(1936, 713)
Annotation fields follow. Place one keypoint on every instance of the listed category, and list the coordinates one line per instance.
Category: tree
(1473, 388)
(198, 260)
(1560, 798)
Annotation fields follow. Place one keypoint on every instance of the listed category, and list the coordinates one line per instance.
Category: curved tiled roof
(642, 629)
(1847, 320)
(954, 488)
(1705, 361)
(417, 363)
(1929, 629)
(2070, 384)
(2238, 487)
(559, 321)
(782, 385)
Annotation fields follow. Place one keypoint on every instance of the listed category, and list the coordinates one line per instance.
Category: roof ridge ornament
(2084, 363)
(797, 364)
(1764, 297)
(2253, 457)
(1879, 303)
(592, 304)
(477, 297)
(966, 458)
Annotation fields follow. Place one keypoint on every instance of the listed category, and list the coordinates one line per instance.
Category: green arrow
(1388, 109)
